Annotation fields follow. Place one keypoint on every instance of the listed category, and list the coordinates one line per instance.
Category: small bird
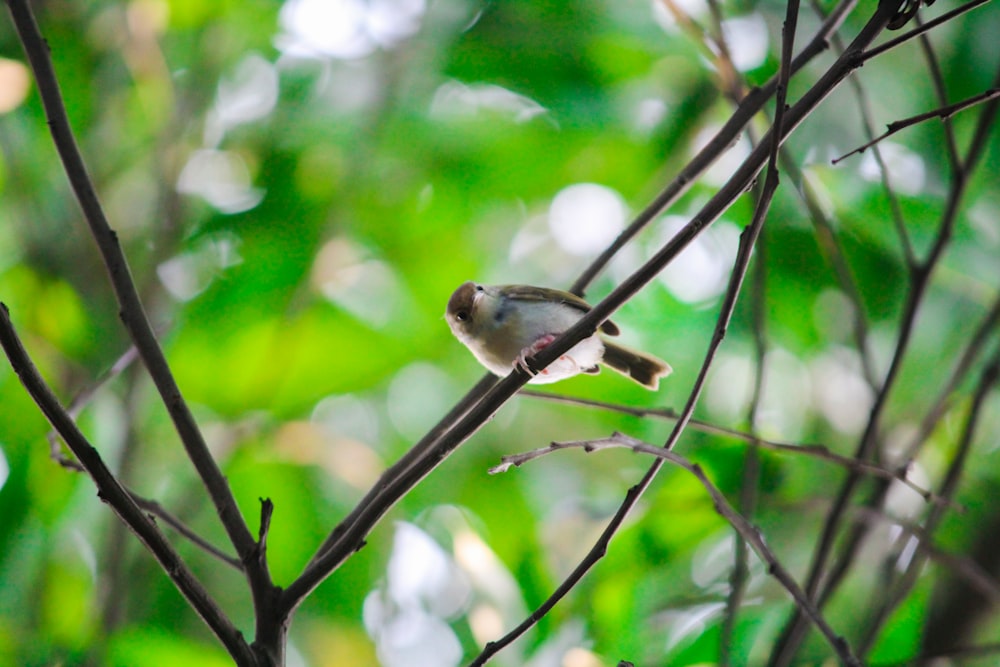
(503, 325)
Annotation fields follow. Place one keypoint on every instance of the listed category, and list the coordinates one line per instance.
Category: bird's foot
(530, 351)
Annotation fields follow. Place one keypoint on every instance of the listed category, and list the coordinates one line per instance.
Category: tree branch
(943, 113)
(118, 498)
(746, 530)
(431, 450)
(793, 633)
(132, 313)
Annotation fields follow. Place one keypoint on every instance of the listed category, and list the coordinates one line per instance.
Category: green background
(301, 311)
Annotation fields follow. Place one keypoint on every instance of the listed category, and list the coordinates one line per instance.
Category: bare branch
(904, 584)
(812, 450)
(120, 501)
(151, 506)
(907, 36)
(920, 276)
(156, 509)
(740, 524)
(724, 138)
(943, 113)
(132, 313)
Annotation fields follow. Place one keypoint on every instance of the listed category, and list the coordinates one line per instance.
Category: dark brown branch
(921, 277)
(349, 534)
(157, 510)
(943, 113)
(134, 316)
(749, 488)
(904, 584)
(120, 501)
(940, 406)
(746, 530)
(920, 30)
(748, 496)
(812, 450)
(151, 506)
(80, 400)
(794, 631)
(827, 236)
(132, 313)
(723, 139)
(964, 567)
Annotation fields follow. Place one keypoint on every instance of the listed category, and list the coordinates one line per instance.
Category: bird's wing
(532, 293)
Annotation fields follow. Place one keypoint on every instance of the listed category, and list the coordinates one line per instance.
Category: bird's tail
(641, 367)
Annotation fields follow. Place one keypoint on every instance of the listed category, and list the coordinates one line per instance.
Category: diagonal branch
(904, 584)
(816, 451)
(821, 580)
(466, 418)
(121, 502)
(944, 113)
(920, 30)
(132, 313)
(746, 530)
(748, 107)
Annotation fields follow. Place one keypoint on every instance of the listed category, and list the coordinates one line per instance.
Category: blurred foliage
(300, 187)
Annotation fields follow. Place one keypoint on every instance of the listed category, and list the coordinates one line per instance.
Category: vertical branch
(819, 578)
(739, 578)
(904, 583)
(751, 468)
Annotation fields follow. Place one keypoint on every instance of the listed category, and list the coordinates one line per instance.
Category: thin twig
(939, 407)
(930, 25)
(812, 450)
(151, 506)
(829, 245)
(794, 632)
(751, 468)
(81, 400)
(746, 530)
(921, 280)
(723, 139)
(943, 113)
(966, 568)
(904, 584)
(157, 510)
(828, 235)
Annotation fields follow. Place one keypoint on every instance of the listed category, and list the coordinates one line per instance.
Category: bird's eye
(479, 288)
(462, 316)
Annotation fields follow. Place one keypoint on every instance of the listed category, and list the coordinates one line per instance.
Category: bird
(503, 325)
